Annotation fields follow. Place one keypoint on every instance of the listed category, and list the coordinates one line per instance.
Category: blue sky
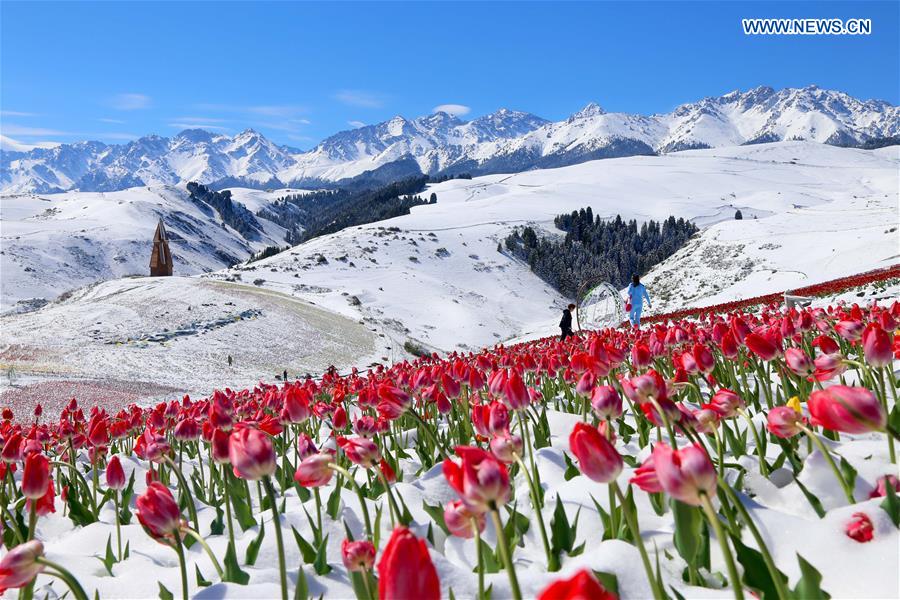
(299, 72)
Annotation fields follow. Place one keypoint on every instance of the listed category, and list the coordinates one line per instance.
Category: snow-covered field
(435, 276)
(177, 332)
(53, 243)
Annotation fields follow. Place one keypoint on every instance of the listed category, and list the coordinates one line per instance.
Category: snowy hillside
(435, 276)
(52, 243)
(174, 334)
(502, 142)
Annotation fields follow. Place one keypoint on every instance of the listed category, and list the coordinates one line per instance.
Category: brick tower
(161, 259)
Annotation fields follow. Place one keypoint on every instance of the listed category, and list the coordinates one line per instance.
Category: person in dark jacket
(565, 324)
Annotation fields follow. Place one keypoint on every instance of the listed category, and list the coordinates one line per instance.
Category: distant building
(161, 259)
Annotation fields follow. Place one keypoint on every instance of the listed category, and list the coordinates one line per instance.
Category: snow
(177, 332)
(52, 243)
(823, 212)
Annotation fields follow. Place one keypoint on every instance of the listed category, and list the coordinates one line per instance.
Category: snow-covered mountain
(503, 142)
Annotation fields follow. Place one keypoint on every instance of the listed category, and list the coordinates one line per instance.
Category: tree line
(594, 249)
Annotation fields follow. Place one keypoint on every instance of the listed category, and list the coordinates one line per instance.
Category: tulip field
(736, 455)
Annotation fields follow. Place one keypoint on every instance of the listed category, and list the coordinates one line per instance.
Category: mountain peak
(592, 109)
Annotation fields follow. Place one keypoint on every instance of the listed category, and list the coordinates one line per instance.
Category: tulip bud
(357, 556)
(507, 447)
(19, 566)
(597, 458)
(251, 454)
(35, 476)
(360, 450)
(461, 519)
(314, 470)
(479, 479)
(405, 569)
(784, 422)
(860, 528)
(158, 512)
(847, 409)
(685, 474)
(606, 402)
(798, 362)
(582, 585)
(115, 474)
(877, 346)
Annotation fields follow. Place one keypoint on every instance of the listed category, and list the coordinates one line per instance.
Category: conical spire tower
(161, 258)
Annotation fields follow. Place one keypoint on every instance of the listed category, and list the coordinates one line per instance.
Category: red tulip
(314, 470)
(498, 418)
(849, 330)
(480, 479)
(12, 449)
(357, 556)
(507, 447)
(784, 421)
(582, 586)
(826, 344)
(115, 474)
(597, 458)
(296, 403)
(515, 392)
(405, 570)
(460, 519)
(19, 566)
(158, 512)
(762, 345)
(704, 359)
(829, 366)
(44, 505)
(725, 403)
(877, 346)
(860, 528)
(220, 444)
(685, 474)
(640, 355)
(187, 430)
(606, 402)
(35, 476)
(798, 362)
(847, 409)
(881, 485)
(360, 450)
(251, 454)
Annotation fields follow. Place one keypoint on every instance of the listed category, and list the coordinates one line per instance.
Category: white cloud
(359, 98)
(130, 101)
(13, 129)
(115, 121)
(16, 113)
(197, 125)
(7, 143)
(457, 110)
(356, 124)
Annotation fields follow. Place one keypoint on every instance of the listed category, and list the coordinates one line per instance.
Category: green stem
(118, 526)
(630, 519)
(362, 498)
(77, 591)
(273, 500)
(180, 551)
(480, 559)
(834, 468)
(431, 434)
(227, 495)
(777, 581)
(505, 553)
(552, 561)
(723, 544)
(760, 451)
(192, 510)
(209, 552)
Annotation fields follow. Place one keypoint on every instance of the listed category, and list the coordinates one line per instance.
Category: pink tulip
(606, 402)
(784, 422)
(360, 450)
(19, 566)
(357, 556)
(314, 470)
(598, 460)
(798, 362)
(645, 477)
(507, 447)
(479, 478)
(685, 474)
(725, 403)
(115, 474)
(460, 519)
(877, 346)
(847, 409)
(251, 454)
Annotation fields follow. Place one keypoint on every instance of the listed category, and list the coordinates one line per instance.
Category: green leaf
(320, 564)
(571, 469)
(301, 592)
(809, 586)
(125, 505)
(201, 580)
(233, 571)
(891, 504)
(562, 535)
(306, 551)
(848, 472)
(756, 574)
(688, 531)
(437, 515)
(217, 526)
(405, 516)
(164, 593)
(109, 559)
(489, 558)
(334, 503)
(78, 512)
(239, 506)
(812, 498)
(608, 580)
(658, 502)
(253, 546)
